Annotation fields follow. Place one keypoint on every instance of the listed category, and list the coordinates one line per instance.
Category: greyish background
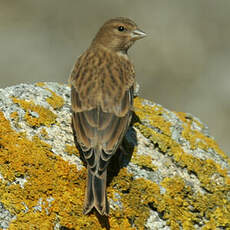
(183, 64)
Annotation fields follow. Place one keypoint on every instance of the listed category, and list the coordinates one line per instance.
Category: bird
(102, 89)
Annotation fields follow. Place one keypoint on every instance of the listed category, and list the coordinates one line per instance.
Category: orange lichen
(36, 115)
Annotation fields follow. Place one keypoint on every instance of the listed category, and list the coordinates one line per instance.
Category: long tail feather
(95, 195)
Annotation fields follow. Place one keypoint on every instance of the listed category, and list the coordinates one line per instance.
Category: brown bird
(102, 84)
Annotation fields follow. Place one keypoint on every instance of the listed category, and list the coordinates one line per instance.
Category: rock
(173, 175)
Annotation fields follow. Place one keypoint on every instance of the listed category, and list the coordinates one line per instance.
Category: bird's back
(101, 104)
(101, 78)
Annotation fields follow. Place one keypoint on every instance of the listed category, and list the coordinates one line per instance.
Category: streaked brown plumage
(102, 84)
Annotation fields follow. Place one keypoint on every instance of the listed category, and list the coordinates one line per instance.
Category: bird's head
(118, 34)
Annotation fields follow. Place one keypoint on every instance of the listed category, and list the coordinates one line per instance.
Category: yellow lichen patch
(135, 197)
(44, 133)
(15, 118)
(143, 161)
(40, 84)
(198, 139)
(221, 215)
(36, 115)
(152, 114)
(185, 118)
(175, 204)
(72, 150)
(162, 140)
(55, 100)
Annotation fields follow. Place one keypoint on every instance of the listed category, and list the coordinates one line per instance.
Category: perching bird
(102, 84)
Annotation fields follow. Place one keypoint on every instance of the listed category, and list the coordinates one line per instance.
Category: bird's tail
(95, 195)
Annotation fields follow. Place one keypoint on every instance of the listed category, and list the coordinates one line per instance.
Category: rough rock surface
(173, 175)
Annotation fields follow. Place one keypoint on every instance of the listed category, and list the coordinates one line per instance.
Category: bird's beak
(138, 34)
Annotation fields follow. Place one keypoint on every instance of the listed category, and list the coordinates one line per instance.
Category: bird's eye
(121, 28)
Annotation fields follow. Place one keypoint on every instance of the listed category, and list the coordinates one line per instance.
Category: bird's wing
(101, 110)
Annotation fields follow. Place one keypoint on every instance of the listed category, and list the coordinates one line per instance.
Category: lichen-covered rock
(173, 175)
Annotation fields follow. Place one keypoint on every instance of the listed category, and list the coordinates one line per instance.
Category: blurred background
(183, 64)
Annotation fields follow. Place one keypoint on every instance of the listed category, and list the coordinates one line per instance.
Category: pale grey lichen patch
(1, 177)
(149, 103)
(5, 217)
(38, 207)
(49, 200)
(194, 125)
(26, 209)
(115, 204)
(154, 222)
(20, 180)
(140, 173)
